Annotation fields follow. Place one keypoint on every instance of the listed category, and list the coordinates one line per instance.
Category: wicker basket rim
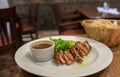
(89, 25)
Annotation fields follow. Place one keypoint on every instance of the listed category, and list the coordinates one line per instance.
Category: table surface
(93, 13)
(113, 70)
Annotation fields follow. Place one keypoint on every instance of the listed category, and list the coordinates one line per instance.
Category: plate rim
(31, 71)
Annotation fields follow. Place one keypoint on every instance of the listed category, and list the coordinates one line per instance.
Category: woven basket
(107, 35)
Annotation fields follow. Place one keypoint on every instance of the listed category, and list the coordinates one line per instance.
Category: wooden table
(113, 70)
(92, 13)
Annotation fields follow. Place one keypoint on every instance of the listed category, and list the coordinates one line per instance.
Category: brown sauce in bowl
(42, 46)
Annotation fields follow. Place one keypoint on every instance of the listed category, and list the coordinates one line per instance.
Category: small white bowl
(44, 53)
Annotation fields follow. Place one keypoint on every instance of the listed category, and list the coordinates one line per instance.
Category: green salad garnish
(61, 44)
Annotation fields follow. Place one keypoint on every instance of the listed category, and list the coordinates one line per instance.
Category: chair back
(10, 31)
(33, 13)
(66, 21)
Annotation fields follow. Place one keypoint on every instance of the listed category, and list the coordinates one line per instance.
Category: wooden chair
(31, 26)
(68, 23)
(10, 33)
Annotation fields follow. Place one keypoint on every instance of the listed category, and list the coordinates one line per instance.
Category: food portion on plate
(67, 52)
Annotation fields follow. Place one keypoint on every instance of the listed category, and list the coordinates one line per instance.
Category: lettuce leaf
(61, 44)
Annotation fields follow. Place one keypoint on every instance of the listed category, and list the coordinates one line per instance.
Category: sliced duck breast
(68, 61)
(76, 54)
(87, 45)
(61, 58)
(57, 58)
(68, 54)
(82, 47)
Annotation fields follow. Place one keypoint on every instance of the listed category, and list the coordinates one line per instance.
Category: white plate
(98, 59)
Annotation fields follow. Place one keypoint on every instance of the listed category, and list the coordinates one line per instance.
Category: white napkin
(110, 10)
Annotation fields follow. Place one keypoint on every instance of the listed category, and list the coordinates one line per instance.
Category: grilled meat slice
(62, 59)
(81, 53)
(61, 52)
(57, 58)
(76, 54)
(87, 45)
(81, 47)
(72, 52)
(69, 55)
(67, 59)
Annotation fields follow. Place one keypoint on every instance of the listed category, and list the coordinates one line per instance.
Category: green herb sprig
(61, 44)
